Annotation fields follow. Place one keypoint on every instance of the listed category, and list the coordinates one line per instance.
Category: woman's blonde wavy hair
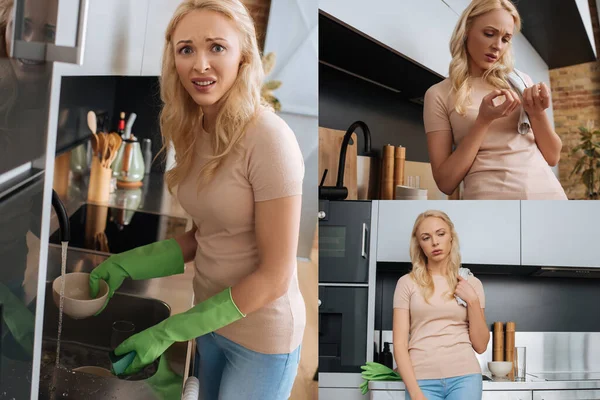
(180, 116)
(496, 75)
(420, 274)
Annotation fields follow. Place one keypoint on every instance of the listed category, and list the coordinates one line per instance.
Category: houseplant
(268, 61)
(588, 165)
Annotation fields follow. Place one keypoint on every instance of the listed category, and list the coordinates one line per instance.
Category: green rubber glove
(19, 321)
(373, 371)
(208, 316)
(166, 383)
(154, 260)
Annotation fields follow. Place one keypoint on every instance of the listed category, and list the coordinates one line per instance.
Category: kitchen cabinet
(404, 26)
(387, 395)
(566, 394)
(560, 234)
(488, 231)
(159, 15)
(507, 395)
(114, 40)
(340, 393)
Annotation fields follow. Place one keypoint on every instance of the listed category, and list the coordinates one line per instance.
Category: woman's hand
(465, 291)
(488, 112)
(419, 396)
(536, 99)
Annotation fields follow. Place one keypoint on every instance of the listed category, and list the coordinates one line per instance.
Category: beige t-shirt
(439, 345)
(270, 166)
(508, 166)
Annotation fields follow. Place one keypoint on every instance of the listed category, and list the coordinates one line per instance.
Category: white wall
(292, 34)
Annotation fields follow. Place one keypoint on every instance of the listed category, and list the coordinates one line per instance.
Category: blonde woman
(472, 118)
(438, 362)
(239, 174)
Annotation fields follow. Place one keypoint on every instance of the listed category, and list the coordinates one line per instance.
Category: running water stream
(63, 271)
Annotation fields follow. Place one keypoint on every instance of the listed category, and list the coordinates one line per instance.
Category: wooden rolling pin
(509, 352)
(498, 342)
(399, 158)
(387, 181)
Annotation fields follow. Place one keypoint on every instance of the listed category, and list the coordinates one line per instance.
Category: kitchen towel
(517, 81)
(465, 273)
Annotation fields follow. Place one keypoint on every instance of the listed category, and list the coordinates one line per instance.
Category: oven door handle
(365, 232)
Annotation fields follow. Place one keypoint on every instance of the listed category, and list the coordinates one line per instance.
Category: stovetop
(569, 376)
(112, 230)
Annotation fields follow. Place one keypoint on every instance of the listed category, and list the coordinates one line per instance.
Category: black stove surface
(114, 230)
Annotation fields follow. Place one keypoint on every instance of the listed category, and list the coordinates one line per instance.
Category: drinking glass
(121, 330)
(520, 363)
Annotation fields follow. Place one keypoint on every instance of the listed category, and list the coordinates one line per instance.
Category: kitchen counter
(531, 383)
(155, 198)
(176, 291)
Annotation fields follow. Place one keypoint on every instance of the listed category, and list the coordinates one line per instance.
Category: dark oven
(343, 284)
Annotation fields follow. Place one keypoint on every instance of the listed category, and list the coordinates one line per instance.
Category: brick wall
(259, 9)
(576, 101)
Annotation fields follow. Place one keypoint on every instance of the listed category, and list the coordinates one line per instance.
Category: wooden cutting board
(330, 145)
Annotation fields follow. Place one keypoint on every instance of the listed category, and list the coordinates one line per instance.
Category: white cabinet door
(387, 395)
(114, 42)
(340, 393)
(420, 30)
(488, 231)
(561, 233)
(507, 395)
(159, 16)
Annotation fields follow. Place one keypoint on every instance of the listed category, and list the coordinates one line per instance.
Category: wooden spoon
(93, 125)
(92, 121)
(115, 145)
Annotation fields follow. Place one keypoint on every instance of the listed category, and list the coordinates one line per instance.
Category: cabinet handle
(72, 55)
(39, 51)
(365, 231)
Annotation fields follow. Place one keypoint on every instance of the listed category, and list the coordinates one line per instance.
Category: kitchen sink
(88, 341)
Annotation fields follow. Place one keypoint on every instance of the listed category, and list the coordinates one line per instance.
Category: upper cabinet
(114, 40)
(560, 234)
(123, 38)
(419, 30)
(159, 16)
(488, 231)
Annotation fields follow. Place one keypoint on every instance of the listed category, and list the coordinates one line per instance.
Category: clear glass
(520, 363)
(121, 330)
(414, 182)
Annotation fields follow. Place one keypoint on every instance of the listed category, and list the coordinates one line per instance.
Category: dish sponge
(120, 363)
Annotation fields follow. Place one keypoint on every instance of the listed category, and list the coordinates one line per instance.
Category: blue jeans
(465, 387)
(228, 371)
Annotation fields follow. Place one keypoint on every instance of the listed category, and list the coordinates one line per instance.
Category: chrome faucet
(63, 218)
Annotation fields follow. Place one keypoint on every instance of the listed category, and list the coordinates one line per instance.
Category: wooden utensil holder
(99, 188)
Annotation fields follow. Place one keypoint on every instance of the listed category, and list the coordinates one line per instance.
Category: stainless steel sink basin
(88, 341)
